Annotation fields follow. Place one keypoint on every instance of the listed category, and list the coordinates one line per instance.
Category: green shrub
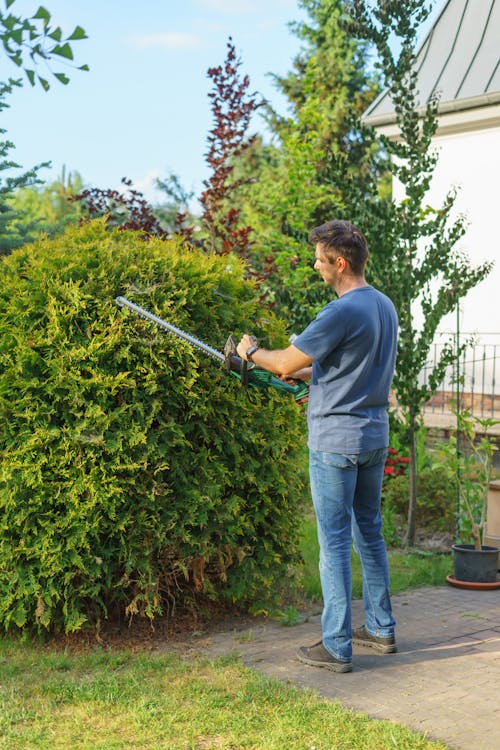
(436, 501)
(134, 471)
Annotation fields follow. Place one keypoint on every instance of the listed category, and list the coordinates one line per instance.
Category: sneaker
(363, 638)
(318, 656)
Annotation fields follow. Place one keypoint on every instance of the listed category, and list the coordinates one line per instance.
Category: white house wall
(470, 161)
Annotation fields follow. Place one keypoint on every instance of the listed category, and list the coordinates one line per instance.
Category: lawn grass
(107, 701)
(408, 569)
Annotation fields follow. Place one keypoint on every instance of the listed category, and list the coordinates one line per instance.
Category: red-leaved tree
(218, 229)
(232, 107)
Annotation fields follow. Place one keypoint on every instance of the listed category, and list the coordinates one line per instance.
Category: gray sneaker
(318, 656)
(363, 638)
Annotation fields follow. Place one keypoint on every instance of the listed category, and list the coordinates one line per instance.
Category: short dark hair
(342, 238)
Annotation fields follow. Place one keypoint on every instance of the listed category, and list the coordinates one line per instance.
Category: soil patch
(186, 629)
(182, 631)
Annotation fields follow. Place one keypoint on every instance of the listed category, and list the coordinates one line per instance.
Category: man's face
(329, 272)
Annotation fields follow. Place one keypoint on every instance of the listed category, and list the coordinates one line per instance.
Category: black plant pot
(473, 565)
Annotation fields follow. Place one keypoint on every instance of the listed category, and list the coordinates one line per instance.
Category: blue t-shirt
(352, 343)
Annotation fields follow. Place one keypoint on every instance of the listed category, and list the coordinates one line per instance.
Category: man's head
(341, 239)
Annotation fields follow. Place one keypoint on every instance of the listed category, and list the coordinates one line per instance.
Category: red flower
(395, 464)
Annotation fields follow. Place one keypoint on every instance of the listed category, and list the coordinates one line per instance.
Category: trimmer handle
(234, 363)
(258, 377)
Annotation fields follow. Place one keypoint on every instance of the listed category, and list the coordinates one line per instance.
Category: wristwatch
(250, 352)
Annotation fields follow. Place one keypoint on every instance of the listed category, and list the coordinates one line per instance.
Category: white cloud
(147, 184)
(168, 40)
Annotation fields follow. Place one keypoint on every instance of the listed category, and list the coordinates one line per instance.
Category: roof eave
(455, 105)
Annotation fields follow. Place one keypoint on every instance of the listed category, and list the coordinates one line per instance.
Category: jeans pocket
(339, 460)
(372, 458)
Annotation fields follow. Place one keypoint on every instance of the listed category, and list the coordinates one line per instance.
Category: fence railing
(476, 372)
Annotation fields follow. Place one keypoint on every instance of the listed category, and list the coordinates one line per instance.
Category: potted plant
(469, 458)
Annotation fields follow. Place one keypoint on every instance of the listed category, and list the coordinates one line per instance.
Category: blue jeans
(346, 493)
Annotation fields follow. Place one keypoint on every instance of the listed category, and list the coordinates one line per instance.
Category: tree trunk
(412, 501)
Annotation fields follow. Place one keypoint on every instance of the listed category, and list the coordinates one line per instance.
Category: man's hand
(282, 362)
(246, 342)
(305, 374)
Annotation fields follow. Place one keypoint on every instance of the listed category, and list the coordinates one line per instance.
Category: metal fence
(476, 373)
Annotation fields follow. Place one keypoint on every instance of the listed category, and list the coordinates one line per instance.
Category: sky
(142, 111)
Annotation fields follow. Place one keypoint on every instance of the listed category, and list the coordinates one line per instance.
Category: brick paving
(443, 681)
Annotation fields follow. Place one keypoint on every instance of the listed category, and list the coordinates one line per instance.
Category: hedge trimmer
(247, 372)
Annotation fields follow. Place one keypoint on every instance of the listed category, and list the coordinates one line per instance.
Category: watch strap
(250, 352)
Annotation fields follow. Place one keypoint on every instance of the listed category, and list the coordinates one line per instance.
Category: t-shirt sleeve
(322, 335)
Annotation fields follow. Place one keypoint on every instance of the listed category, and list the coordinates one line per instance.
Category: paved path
(444, 680)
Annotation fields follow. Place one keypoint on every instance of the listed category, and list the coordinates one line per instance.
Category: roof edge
(386, 92)
(455, 105)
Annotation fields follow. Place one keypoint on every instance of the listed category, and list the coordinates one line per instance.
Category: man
(349, 352)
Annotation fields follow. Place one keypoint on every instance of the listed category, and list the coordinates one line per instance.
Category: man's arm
(279, 361)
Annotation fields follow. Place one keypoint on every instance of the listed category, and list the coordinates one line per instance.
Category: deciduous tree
(233, 107)
(417, 261)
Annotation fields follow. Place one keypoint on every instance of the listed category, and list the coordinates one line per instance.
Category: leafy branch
(27, 42)
(232, 108)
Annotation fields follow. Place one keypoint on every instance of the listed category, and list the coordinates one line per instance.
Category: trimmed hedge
(134, 471)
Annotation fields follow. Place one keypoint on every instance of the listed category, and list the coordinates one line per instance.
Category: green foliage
(468, 461)
(290, 616)
(42, 42)
(9, 237)
(43, 208)
(435, 500)
(390, 524)
(133, 471)
(174, 207)
(436, 496)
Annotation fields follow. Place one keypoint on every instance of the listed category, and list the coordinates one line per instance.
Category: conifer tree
(10, 180)
(44, 208)
(303, 172)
